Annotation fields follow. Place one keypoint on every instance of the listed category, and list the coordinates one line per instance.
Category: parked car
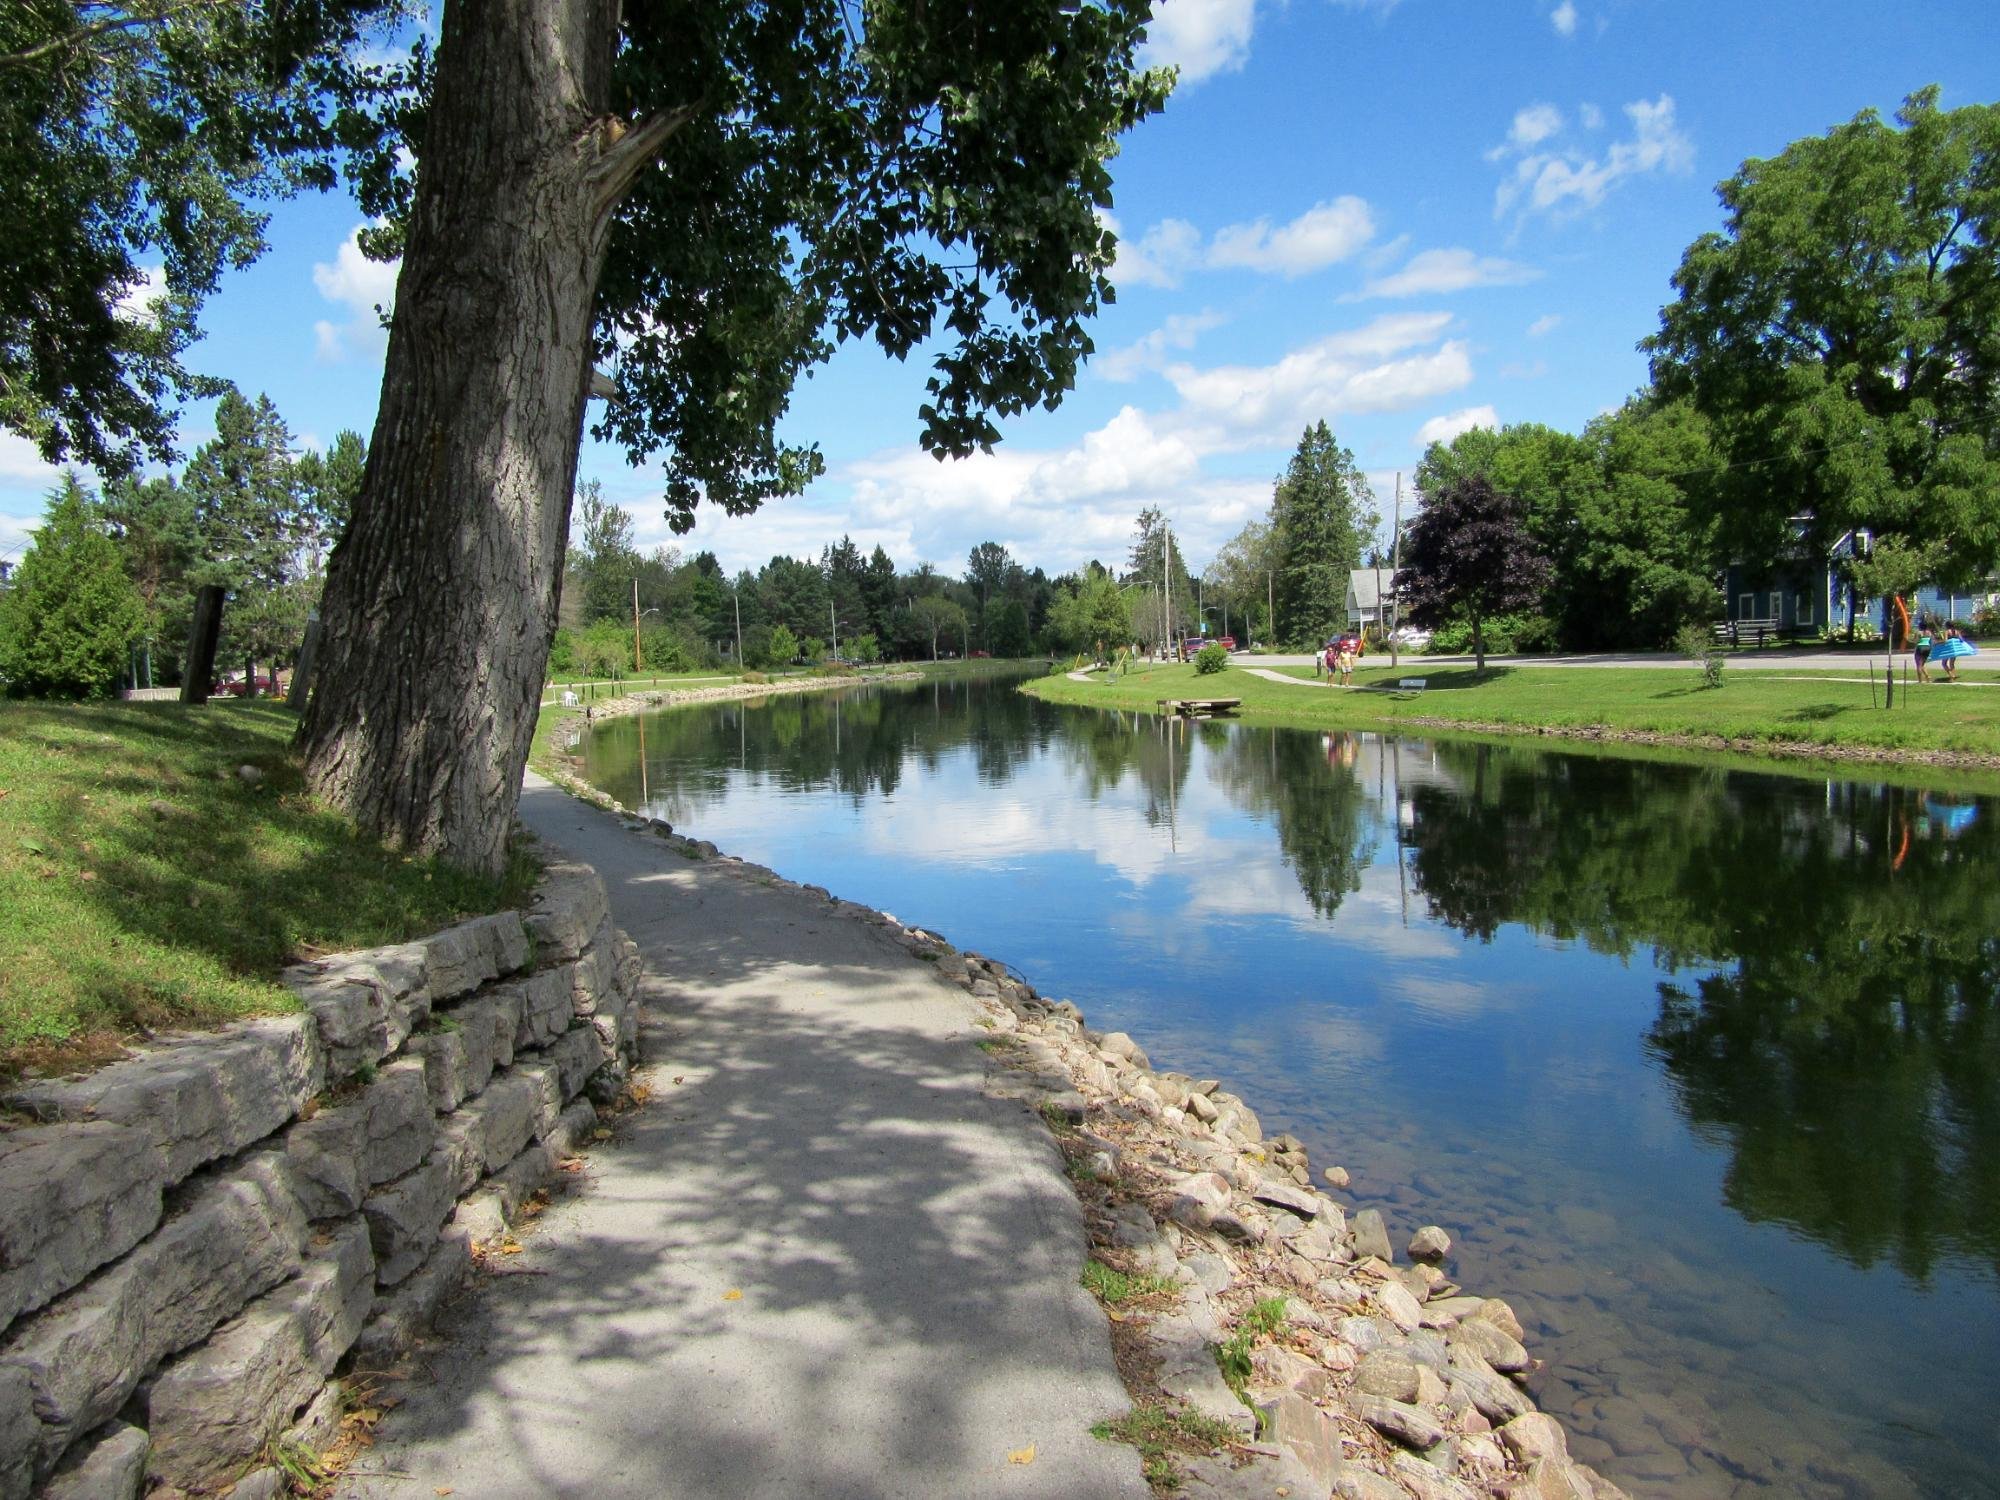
(1411, 637)
(1351, 641)
(265, 685)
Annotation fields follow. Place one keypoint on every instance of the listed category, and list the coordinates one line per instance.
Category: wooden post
(203, 635)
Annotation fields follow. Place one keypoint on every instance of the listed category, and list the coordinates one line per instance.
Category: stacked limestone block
(194, 1239)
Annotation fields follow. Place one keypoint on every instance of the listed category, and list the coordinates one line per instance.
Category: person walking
(1920, 650)
(1346, 665)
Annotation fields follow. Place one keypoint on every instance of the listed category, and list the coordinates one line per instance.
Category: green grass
(1770, 710)
(148, 887)
(1111, 1286)
(1160, 1432)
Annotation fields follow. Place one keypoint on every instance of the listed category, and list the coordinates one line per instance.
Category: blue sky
(1402, 216)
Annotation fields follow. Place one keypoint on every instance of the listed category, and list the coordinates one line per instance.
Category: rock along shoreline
(1270, 1341)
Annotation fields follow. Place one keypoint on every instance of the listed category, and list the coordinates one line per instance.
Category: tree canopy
(1322, 513)
(70, 615)
(1468, 552)
(134, 141)
(1842, 334)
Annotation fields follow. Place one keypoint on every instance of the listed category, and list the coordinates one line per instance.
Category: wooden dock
(1200, 708)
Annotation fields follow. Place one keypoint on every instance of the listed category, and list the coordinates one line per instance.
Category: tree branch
(84, 33)
(630, 149)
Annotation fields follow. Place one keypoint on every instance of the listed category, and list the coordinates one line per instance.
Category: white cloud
(1323, 234)
(361, 286)
(1443, 429)
(1200, 37)
(1179, 332)
(138, 303)
(1531, 127)
(1379, 367)
(1570, 181)
(1544, 325)
(1060, 506)
(21, 462)
(1591, 116)
(1563, 18)
(1435, 272)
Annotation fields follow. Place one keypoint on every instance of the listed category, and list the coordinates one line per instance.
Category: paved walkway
(906, 1247)
(1770, 659)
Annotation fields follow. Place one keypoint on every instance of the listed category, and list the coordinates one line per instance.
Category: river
(1700, 1067)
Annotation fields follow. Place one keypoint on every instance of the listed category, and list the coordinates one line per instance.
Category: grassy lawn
(148, 886)
(1774, 709)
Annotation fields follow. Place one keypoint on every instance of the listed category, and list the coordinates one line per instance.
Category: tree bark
(441, 598)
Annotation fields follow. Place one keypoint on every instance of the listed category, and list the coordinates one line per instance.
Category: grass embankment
(1777, 712)
(147, 885)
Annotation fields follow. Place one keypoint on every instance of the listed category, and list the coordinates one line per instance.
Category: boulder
(1533, 1435)
(1388, 1373)
(1409, 1425)
(1199, 1198)
(215, 1408)
(235, 1236)
(1371, 1236)
(199, 1101)
(1397, 1305)
(1497, 1398)
(365, 1005)
(1501, 1316)
(109, 1465)
(72, 1197)
(1287, 1195)
(1429, 1243)
(403, 1218)
(1293, 1423)
(1275, 1367)
(568, 906)
(1490, 1344)
(1352, 1482)
(1427, 1479)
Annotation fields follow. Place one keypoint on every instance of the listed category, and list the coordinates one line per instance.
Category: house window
(1805, 611)
(1746, 606)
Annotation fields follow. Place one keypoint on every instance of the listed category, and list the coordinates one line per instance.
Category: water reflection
(1702, 1065)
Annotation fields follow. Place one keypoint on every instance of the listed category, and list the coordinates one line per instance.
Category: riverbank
(1266, 1337)
(1815, 718)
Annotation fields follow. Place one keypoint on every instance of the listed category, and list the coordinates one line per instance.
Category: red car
(266, 686)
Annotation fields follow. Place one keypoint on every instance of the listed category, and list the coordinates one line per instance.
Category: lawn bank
(1817, 717)
(160, 865)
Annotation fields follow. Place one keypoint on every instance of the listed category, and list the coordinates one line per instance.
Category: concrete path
(905, 1247)
(1770, 659)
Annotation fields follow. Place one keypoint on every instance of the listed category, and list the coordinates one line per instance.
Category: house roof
(1361, 587)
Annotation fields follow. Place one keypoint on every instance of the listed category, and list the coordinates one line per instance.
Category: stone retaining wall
(193, 1240)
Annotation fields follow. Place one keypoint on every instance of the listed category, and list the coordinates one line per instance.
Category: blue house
(1802, 595)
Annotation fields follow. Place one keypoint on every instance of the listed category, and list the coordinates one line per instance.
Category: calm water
(1701, 1069)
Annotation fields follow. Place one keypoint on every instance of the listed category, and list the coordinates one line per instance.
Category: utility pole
(638, 665)
(833, 620)
(1167, 586)
(1395, 612)
(1271, 609)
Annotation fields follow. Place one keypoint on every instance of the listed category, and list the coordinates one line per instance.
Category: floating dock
(1200, 708)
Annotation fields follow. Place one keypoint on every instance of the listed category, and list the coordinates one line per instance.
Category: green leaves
(1843, 335)
(71, 614)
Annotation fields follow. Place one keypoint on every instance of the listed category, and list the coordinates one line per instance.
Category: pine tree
(247, 518)
(1322, 514)
(68, 621)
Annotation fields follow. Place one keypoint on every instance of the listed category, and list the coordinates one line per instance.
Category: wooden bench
(1734, 631)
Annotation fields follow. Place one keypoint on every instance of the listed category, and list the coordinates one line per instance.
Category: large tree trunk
(441, 598)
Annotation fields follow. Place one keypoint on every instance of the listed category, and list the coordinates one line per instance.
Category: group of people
(1338, 658)
(1938, 641)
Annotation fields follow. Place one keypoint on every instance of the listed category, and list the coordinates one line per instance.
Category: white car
(1410, 638)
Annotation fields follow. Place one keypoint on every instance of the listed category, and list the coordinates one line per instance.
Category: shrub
(1698, 644)
(1211, 658)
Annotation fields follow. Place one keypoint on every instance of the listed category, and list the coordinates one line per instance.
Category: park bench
(1412, 684)
(1735, 631)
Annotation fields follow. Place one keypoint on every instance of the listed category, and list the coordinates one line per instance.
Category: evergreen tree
(153, 524)
(247, 519)
(878, 590)
(70, 615)
(327, 485)
(1322, 515)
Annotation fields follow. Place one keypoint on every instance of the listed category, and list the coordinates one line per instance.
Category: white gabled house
(1371, 597)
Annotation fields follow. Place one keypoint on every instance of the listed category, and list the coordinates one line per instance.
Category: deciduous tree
(708, 196)
(1468, 553)
(1842, 333)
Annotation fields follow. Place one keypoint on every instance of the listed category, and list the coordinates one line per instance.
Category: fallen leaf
(443, 1489)
(1022, 1455)
(510, 1247)
(732, 1295)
